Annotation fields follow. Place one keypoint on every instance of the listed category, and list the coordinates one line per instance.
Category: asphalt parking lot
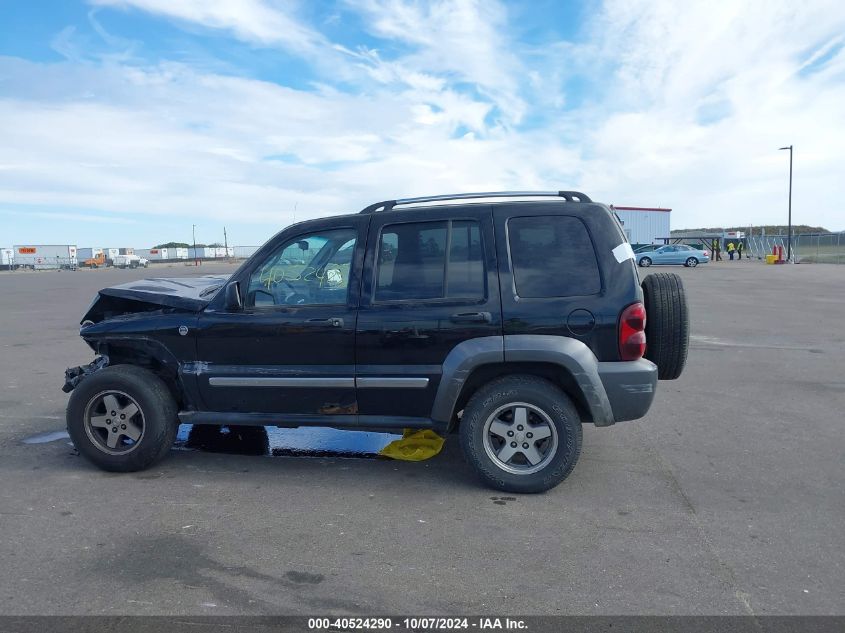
(729, 498)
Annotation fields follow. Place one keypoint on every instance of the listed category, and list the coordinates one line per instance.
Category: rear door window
(552, 256)
(419, 261)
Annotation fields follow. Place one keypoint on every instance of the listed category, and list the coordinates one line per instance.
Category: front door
(291, 349)
(429, 283)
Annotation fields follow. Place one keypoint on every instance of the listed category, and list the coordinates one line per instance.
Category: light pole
(194, 233)
(789, 227)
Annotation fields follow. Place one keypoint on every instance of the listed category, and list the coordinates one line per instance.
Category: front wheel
(122, 418)
(521, 434)
(645, 262)
(692, 262)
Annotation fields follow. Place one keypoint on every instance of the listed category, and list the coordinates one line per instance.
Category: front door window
(307, 270)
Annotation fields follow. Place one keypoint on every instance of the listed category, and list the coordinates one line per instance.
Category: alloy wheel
(114, 422)
(520, 438)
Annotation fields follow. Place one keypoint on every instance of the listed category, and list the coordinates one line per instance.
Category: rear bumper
(630, 387)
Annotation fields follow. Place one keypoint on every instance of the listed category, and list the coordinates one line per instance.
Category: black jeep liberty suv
(510, 318)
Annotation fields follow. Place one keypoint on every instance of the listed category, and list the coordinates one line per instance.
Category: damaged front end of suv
(144, 323)
(123, 408)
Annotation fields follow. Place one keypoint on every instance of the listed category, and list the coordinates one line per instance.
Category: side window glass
(412, 262)
(465, 278)
(307, 270)
(552, 256)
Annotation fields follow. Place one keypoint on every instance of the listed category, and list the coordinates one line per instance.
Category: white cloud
(687, 107)
(464, 40)
(653, 139)
(249, 20)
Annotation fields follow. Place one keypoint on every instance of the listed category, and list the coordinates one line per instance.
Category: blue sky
(127, 121)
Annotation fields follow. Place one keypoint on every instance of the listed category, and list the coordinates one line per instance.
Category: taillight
(632, 332)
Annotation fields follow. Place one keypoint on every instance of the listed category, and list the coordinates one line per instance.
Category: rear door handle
(333, 321)
(471, 317)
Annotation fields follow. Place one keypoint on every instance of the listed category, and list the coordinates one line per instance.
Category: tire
(692, 262)
(667, 324)
(645, 262)
(547, 407)
(156, 419)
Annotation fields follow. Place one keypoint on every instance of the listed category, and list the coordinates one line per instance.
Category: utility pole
(789, 226)
(225, 243)
(194, 232)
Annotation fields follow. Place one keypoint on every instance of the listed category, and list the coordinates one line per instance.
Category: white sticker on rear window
(623, 252)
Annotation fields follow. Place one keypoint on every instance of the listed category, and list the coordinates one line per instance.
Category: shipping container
(180, 252)
(222, 251)
(45, 256)
(128, 250)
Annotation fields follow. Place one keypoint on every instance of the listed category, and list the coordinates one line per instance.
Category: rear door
(429, 283)
(550, 276)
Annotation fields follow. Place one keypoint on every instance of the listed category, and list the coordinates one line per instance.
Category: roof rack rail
(569, 196)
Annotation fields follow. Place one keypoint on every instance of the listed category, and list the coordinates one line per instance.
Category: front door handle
(333, 321)
(471, 317)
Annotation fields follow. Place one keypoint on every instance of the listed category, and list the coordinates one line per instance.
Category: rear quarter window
(552, 256)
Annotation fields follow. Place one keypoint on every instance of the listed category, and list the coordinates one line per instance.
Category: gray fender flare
(459, 364)
(571, 354)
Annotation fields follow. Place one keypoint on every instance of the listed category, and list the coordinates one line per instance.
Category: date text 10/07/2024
(416, 624)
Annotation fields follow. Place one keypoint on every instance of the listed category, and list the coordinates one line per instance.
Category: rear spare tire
(667, 323)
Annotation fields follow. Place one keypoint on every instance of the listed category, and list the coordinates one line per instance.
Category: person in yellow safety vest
(731, 249)
(717, 251)
(739, 250)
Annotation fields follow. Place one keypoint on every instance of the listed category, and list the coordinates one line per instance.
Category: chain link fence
(819, 248)
(807, 248)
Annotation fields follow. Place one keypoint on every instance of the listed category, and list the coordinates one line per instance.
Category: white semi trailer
(153, 254)
(45, 256)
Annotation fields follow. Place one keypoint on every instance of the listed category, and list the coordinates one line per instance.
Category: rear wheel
(521, 434)
(692, 262)
(667, 323)
(645, 262)
(122, 418)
